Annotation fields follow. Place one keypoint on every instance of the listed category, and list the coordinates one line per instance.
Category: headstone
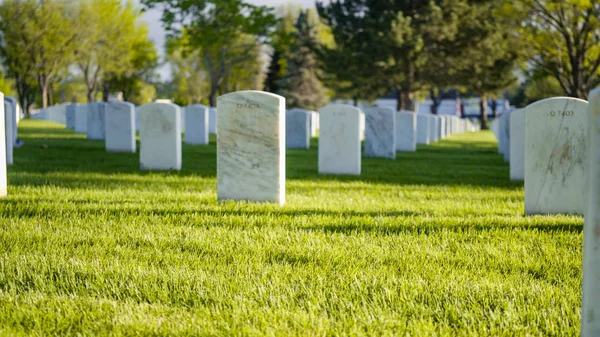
(10, 114)
(406, 131)
(196, 124)
(590, 312)
(251, 147)
(501, 134)
(555, 156)
(505, 129)
(212, 120)
(81, 111)
(119, 120)
(70, 111)
(160, 136)
(362, 125)
(433, 125)
(314, 123)
(422, 129)
(3, 167)
(441, 127)
(297, 129)
(380, 133)
(517, 144)
(95, 120)
(448, 125)
(339, 140)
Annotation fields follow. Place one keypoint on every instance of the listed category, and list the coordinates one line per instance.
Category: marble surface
(95, 120)
(505, 129)
(340, 140)
(81, 112)
(501, 135)
(422, 129)
(297, 129)
(448, 121)
(517, 144)
(56, 113)
(590, 323)
(3, 166)
(196, 124)
(555, 156)
(10, 109)
(251, 147)
(433, 125)
(406, 131)
(380, 135)
(212, 120)
(160, 136)
(119, 118)
(70, 113)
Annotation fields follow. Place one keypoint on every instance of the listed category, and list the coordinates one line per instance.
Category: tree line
(357, 50)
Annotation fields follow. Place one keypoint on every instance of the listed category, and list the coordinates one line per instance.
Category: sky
(157, 33)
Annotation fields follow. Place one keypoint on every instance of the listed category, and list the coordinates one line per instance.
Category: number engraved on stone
(562, 113)
(248, 105)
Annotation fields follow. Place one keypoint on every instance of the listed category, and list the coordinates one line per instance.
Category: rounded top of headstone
(333, 108)
(407, 111)
(155, 105)
(250, 94)
(197, 106)
(556, 100)
(380, 109)
(295, 110)
(121, 103)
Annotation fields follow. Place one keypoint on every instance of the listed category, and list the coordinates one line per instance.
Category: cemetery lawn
(433, 243)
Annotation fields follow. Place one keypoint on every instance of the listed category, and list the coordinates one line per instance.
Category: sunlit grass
(433, 243)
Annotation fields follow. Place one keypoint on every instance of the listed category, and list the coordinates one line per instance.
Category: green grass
(433, 243)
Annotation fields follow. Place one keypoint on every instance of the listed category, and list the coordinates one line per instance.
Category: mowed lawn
(432, 243)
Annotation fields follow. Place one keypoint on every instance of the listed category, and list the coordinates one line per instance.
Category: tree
(301, 86)
(215, 28)
(563, 41)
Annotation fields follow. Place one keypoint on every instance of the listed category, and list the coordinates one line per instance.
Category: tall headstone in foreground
(517, 144)
(196, 124)
(81, 112)
(314, 123)
(433, 125)
(251, 147)
(422, 129)
(119, 119)
(590, 312)
(3, 168)
(556, 156)
(70, 111)
(95, 120)
(297, 129)
(160, 136)
(380, 133)
(339, 140)
(406, 131)
(212, 121)
(10, 114)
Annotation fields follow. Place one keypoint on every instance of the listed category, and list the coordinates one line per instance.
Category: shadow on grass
(464, 160)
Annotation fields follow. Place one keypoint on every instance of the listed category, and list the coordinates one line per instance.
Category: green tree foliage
(216, 28)
(301, 85)
(563, 41)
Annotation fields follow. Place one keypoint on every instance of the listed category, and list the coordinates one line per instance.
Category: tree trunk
(355, 101)
(399, 106)
(483, 111)
(90, 95)
(212, 98)
(435, 101)
(105, 92)
(494, 108)
(44, 88)
(50, 98)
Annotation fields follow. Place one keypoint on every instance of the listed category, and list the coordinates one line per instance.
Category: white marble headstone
(517, 144)
(81, 111)
(160, 136)
(406, 131)
(340, 140)
(314, 123)
(422, 129)
(297, 129)
(95, 120)
(441, 127)
(590, 312)
(505, 129)
(380, 132)
(10, 109)
(119, 118)
(212, 120)
(196, 124)
(556, 156)
(251, 147)
(448, 120)
(3, 167)
(433, 125)
(70, 111)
